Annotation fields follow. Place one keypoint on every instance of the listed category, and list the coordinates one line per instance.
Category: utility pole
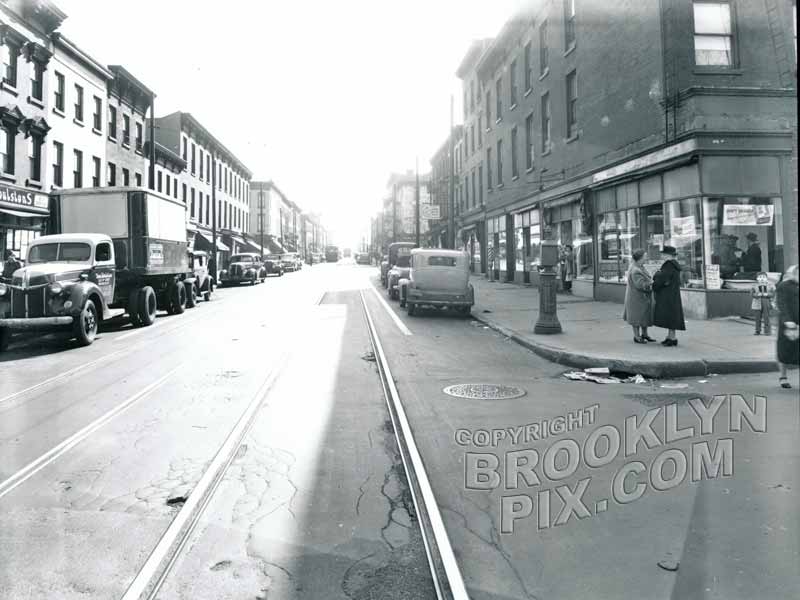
(451, 217)
(416, 192)
(214, 269)
(261, 217)
(394, 213)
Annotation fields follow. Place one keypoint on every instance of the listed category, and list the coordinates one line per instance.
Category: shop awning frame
(220, 245)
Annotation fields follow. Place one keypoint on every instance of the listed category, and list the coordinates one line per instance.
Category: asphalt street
(102, 447)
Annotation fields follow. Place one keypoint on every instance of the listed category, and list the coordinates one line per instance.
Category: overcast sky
(325, 98)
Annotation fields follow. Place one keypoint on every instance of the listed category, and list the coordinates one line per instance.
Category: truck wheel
(133, 308)
(147, 306)
(176, 303)
(86, 325)
(191, 296)
(5, 339)
(411, 308)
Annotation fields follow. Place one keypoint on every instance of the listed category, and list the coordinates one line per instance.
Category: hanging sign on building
(430, 211)
(748, 214)
(14, 197)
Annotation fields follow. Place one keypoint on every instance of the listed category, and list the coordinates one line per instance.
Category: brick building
(265, 216)
(679, 129)
(399, 207)
(206, 160)
(128, 101)
(25, 129)
(441, 171)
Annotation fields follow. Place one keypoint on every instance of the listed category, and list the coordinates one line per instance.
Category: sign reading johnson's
(14, 197)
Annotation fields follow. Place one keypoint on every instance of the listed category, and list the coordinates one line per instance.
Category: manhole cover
(484, 391)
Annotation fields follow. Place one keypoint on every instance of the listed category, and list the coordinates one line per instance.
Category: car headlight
(56, 288)
(3, 289)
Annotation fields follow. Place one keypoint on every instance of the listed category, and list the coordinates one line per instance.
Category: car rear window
(441, 261)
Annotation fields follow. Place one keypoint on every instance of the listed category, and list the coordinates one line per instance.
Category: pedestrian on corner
(763, 293)
(567, 268)
(638, 312)
(668, 312)
(787, 294)
(10, 264)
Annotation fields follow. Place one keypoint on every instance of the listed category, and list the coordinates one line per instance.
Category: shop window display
(618, 233)
(684, 231)
(742, 237)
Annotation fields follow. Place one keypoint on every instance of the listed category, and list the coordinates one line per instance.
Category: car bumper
(439, 300)
(36, 323)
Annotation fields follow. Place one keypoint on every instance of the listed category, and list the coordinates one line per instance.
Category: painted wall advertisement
(748, 214)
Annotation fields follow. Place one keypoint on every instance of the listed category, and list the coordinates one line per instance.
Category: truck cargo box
(148, 229)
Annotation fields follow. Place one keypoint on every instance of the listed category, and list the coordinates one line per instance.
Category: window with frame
(499, 162)
(139, 137)
(466, 192)
(7, 149)
(35, 156)
(194, 163)
(77, 168)
(713, 33)
(569, 24)
(112, 121)
(37, 80)
(58, 164)
(546, 122)
(544, 56)
(528, 67)
(572, 104)
(97, 116)
(192, 209)
(10, 60)
(472, 139)
(474, 191)
(78, 103)
(126, 130)
(95, 171)
(489, 169)
(185, 146)
(529, 141)
(126, 177)
(498, 101)
(138, 180)
(512, 79)
(480, 183)
(514, 166)
(472, 95)
(59, 92)
(488, 109)
(480, 133)
(159, 181)
(202, 163)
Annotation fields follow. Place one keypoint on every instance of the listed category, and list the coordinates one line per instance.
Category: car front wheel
(87, 324)
(5, 339)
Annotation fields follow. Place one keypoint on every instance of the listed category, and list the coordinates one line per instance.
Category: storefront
(723, 214)
(471, 243)
(567, 220)
(528, 244)
(23, 218)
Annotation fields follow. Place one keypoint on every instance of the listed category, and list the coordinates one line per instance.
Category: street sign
(430, 211)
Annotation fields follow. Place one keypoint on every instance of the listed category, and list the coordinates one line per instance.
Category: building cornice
(190, 123)
(60, 42)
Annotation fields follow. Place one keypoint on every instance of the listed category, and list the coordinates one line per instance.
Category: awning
(254, 246)
(208, 238)
(563, 201)
(21, 214)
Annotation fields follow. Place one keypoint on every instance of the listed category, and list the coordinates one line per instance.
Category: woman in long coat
(638, 300)
(786, 295)
(668, 312)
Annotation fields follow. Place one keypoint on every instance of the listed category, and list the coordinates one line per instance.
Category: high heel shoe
(647, 338)
(639, 340)
(669, 342)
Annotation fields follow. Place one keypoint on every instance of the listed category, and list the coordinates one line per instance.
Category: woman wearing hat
(788, 318)
(667, 289)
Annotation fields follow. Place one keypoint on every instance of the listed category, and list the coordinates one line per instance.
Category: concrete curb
(652, 369)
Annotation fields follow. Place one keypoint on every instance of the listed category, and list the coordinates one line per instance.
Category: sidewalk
(594, 335)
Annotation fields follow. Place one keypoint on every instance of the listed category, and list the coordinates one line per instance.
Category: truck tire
(5, 339)
(86, 325)
(147, 306)
(411, 308)
(176, 300)
(191, 296)
(133, 308)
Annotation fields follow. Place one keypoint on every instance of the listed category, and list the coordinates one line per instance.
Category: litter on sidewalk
(602, 375)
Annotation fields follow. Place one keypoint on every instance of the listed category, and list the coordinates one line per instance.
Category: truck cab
(68, 281)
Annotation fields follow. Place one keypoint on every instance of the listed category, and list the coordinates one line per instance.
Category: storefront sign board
(648, 160)
(682, 226)
(14, 197)
(713, 279)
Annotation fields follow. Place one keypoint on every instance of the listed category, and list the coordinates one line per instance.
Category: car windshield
(60, 252)
(273, 257)
(242, 258)
(403, 261)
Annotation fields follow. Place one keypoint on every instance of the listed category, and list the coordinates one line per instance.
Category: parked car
(384, 269)
(273, 264)
(439, 279)
(399, 263)
(243, 268)
(290, 261)
(203, 284)
(362, 258)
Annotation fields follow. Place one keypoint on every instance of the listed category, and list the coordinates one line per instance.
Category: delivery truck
(108, 252)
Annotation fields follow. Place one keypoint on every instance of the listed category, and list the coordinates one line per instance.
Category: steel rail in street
(446, 574)
(29, 470)
(153, 574)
